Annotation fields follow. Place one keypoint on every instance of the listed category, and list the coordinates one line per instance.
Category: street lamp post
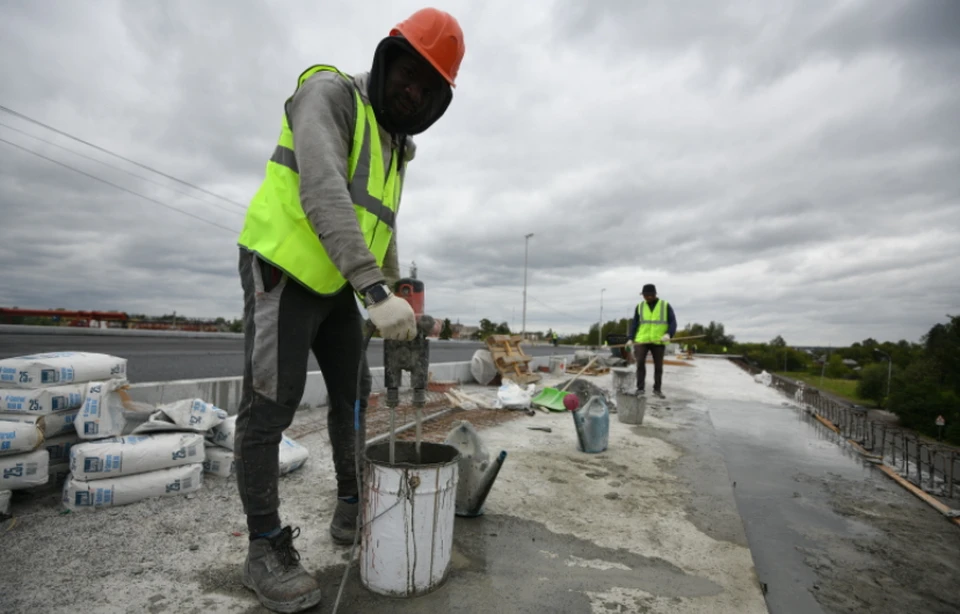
(600, 324)
(889, 368)
(526, 243)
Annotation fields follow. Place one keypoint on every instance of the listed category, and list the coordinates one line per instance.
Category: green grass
(845, 388)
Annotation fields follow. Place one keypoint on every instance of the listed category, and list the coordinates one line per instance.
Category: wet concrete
(514, 565)
(508, 565)
(768, 450)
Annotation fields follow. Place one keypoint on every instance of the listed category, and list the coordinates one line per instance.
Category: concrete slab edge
(948, 512)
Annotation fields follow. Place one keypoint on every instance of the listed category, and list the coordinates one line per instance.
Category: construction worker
(318, 235)
(653, 325)
(556, 339)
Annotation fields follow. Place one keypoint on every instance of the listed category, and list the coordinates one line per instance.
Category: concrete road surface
(157, 358)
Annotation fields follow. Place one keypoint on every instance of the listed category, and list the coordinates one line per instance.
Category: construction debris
(510, 360)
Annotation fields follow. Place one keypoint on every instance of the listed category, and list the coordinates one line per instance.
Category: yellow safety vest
(653, 323)
(276, 226)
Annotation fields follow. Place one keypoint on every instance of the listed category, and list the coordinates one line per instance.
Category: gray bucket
(631, 407)
(408, 515)
(623, 378)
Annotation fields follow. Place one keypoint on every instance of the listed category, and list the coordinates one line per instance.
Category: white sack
(19, 437)
(5, 496)
(482, 367)
(42, 401)
(134, 454)
(24, 470)
(59, 447)
(292, 455)
(223, 433)
(157, 422)
(219, 461)
(512, 396)
(194, 414)
(60, 368)
(52, 425)
(102, 412)
(60, 423)
(763, 378)
(79, 495)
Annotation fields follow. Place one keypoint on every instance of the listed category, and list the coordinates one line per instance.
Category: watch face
(376, 294)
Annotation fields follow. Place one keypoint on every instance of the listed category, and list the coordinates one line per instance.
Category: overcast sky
(785, 168)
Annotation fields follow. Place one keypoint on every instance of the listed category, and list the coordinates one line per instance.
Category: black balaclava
(387, 50)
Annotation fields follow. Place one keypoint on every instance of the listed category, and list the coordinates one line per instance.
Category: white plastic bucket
(408, 516)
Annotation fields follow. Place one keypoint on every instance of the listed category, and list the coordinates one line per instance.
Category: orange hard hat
(436, 36)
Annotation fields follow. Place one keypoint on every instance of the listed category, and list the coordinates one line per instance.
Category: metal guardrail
(932, 466)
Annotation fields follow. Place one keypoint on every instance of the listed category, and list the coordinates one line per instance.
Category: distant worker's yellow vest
(653, 323)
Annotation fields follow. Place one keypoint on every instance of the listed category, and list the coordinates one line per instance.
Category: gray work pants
(283, 322)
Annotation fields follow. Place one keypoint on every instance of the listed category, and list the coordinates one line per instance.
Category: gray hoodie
(323, 117)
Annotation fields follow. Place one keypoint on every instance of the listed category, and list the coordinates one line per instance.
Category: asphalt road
(152, 359)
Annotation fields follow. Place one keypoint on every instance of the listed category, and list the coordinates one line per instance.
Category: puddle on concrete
(766, 449)
(505, 564)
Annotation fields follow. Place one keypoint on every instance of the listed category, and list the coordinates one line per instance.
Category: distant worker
(556, 339)
(654, 323)
(318, 235)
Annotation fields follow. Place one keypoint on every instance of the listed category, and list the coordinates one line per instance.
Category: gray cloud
(784, 168)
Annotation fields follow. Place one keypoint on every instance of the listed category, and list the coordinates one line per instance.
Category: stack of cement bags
(122, 470)
(220, 450)
(164, 456)
(42, 397)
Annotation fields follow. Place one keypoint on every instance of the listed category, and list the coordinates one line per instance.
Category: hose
(358, 446)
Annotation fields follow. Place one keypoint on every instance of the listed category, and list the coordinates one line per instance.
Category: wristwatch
(377, 293)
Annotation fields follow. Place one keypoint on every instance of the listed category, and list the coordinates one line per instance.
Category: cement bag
(60, 423)
(292, 455)
(482, 367)
(52, 425)
(24, 470)
(102, 412)
(134, 454)
(60, 368)
(79, 495)
(219, 461)
(19, 437)
(59, 447)
(194, 414)
(42, 401)
(5, 496)
(223, 433)
(157, 422)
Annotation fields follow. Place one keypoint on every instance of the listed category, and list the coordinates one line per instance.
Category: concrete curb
(225, 392)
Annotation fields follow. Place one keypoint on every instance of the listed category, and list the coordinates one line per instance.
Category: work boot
(659, 394)
(343, 527)
(273, 571)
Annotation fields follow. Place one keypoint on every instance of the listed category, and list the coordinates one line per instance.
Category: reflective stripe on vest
(276, 226)
(653, 324)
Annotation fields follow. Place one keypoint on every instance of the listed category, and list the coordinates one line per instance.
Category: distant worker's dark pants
(640, 351)
(282, 323)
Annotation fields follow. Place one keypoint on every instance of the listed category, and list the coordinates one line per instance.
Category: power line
(119, 187)
(116, 155)
(117, 168)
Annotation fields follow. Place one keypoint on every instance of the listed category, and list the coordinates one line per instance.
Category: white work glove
(394, 318)
(630, 344)
(665, 338)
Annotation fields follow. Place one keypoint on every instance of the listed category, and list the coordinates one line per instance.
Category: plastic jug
(593, 426)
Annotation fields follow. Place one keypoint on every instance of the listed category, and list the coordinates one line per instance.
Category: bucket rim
(408, 448)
